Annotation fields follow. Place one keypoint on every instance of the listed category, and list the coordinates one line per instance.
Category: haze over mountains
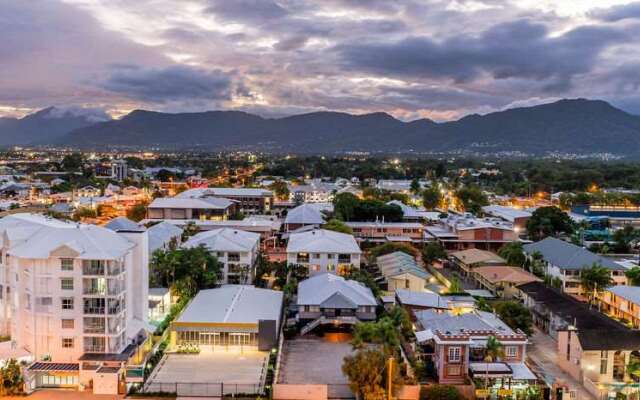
(568, 126)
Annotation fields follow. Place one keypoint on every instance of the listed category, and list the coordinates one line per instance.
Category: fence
(203, 389)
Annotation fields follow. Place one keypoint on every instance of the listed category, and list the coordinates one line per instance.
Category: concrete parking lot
(313, 360)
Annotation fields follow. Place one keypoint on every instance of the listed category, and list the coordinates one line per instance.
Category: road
(543, 352)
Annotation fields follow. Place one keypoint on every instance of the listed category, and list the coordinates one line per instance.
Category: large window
(66, 283)
(66, 264)
(67, 303)
(454, 354)
(68, 323)
(511, 351)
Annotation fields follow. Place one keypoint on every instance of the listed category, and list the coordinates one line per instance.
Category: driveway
(543, 354)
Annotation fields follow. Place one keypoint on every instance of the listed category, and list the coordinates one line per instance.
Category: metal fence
(202, 389)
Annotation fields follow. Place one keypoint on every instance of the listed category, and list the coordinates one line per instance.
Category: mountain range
(576, 126)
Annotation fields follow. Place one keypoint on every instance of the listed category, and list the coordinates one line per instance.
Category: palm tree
(493, 352)
(595, 278)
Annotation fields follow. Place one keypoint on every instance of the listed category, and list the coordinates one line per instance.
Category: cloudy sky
(439, 59)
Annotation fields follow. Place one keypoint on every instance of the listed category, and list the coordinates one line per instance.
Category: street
(542, 351)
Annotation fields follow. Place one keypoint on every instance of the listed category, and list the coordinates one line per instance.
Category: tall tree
(513, 254)
(433, 251)
(472, 198)
(515, 315)
(595, 279)
(548, 221)
(431, 198)
(366, 372)
(633, 275)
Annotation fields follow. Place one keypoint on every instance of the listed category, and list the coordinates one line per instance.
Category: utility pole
(390, 379)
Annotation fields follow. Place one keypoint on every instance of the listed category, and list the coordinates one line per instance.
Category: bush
(440, 392)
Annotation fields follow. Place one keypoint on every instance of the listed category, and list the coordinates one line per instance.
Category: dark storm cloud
(517, 49)
(618, 13)
(160, 85)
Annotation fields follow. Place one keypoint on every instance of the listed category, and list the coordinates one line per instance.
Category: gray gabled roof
(321, 287)
(121, 224)
(567, 255)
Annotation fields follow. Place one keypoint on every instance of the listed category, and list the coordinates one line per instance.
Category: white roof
(225, 239)
(161, 234)
(221, 192)
(306, 214)
(421, 299)
(249, 224)
(187, 202)
(123, 224)
(323, 287)
(234, 304)
(322, 241)
(507, 213)
(36, 236)
(364, 224)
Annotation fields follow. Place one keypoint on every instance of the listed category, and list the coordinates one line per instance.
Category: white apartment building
(75, 297)
(235, 249)
(321, 250)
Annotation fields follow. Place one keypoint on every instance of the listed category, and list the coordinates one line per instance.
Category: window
(68, 323)
(454, 354)
(315, 256)
(67, 303)
(66, 264)
(66, 283)
(511, 351)
(603, 362)
(331, 256)
(67, 343)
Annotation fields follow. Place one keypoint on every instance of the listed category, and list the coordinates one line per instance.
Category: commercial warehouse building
(232, 316)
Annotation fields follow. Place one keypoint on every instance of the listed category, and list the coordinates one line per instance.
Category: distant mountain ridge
(46, 125)
(578, 126)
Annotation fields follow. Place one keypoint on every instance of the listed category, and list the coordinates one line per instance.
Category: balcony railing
(94, 310)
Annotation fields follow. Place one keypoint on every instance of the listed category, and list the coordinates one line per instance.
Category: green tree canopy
(392, 247)
(337, 226)
(138, 212)
(513, 254)
(623, 238)
(433, 251)
(515, 315)
(548, 221)
(185, 270)
(440, 392)
(595, 278)
(634, 276)
(472, 198)
(431, 198)
(280, 189)
(366, 372)
(11, 379)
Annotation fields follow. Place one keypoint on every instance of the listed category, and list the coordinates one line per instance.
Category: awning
(492, 369)
(522, 372)
(423, 336)
(52, 366)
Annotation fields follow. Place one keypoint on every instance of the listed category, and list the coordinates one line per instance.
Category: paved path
(543, 352)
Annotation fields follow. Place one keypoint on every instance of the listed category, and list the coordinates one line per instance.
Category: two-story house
(564, 260)
(236, 250)
(330, 299)
(623, 303)
(321, 250)
(456, 344)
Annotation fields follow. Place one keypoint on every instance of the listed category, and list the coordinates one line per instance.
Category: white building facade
(321, 250)
(72, 293)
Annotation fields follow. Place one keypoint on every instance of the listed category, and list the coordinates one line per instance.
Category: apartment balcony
(94, 326)
(89, 269)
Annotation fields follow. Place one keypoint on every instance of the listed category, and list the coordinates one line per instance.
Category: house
(159, 304)
(564, 261)
(267, 228)
(326, 298)
(247, 200)
(164, 208)
(468, 260)
(412, 214)
(419, 301)
(380, 231)
(516, 216)
(456, 343)
(306, 215)
(502, 281)
(315, 191)
(162, 234)
(621, 302)
(237, 251)
(75, 295)
(592, 348)
(401, 271)
(459, 232)
(232, 317)
(88, 191)
(321, 250)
